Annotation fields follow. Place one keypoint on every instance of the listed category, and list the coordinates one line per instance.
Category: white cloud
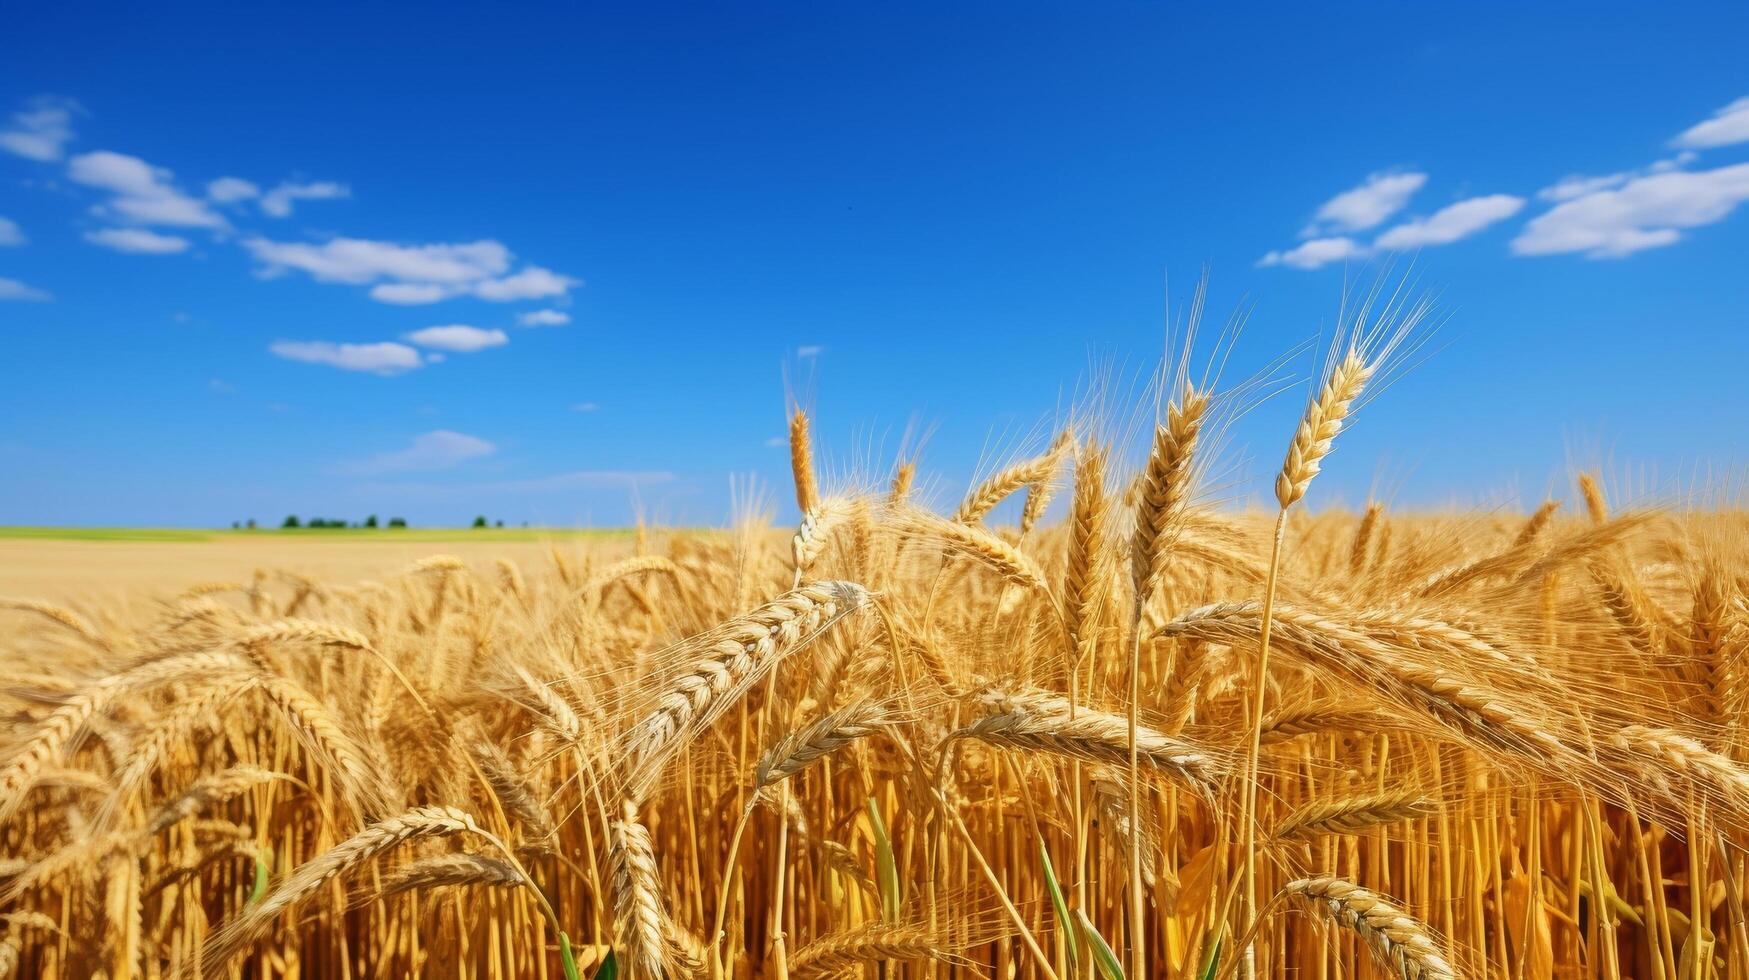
(1579, 185)
(142, 193)
(458, 337)
(42, 129)
(1317, 252)
(137, 241)
(410, 293)
(544, 318)
(1383, 195)
(1646, 212)
(585, 407)
(278, 202)
(381, 358)
(810, 350)
(230, 190)
(1452, 222)
(411, 274)
(1677, 162)
(1728, 125)
(776, 441)
(12, 289)
(10, 233)
(359, 261)
(439, 450)
(532, 282)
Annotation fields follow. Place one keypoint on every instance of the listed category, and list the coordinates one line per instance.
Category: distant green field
(385, 535)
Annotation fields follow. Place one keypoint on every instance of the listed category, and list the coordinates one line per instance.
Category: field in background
(82, 565)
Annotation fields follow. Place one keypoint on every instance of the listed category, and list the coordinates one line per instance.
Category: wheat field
(1154, 737)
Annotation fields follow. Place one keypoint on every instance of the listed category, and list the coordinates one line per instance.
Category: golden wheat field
(1152, 738)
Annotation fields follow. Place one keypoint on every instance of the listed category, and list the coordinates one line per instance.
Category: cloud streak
(1366, 206)
(459, 338)
(1317, 252)
(543, 318)
(1645, 212)
(385, 358)
(278, 202)
(1450, 223)
(439, 450)
(411, 274)
(137, 241)
(1727, 126)
(140, 193)
(41, 130)
(11, 290)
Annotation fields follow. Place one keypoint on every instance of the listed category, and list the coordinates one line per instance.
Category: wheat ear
(1165, 490)
(642, 934)
(1044, 722)
(58, 614)
(985, 496)
(817, 740)
(735, 656)
(878, 942)
(1353, 814)
(1318, 428)
(460, 868)
(801, 461)
(244, 931)
(1402, 943)
(61, 731)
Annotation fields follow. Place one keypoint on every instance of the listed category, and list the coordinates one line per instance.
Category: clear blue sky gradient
(968, 209)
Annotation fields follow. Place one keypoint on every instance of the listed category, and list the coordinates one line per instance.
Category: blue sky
(555, 264)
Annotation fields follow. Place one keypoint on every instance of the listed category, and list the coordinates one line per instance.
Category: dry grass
(1487, 745)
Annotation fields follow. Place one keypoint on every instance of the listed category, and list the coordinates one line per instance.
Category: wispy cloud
(1366, 206)
(358, 261)
(42, 129)
(277, 203)
(439, 450)
(810, 350)
(1452, 222)
(1727, 126)
(10, 233)
(381, 358)
(137, 241)
(1317, 252)
(459, 338)
(532, 282)
(411, 274)
(543, 318)
(1579, 185)
(1329, 237)
(141, 193)
(1644, 212)
(230, 190)
(585, 407)
(12, 289)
